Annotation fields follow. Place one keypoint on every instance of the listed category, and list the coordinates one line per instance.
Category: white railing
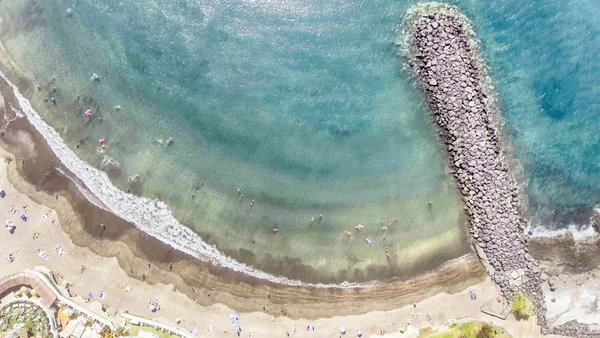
(50, 284)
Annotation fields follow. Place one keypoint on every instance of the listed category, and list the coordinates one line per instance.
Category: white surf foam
(579, 232)
(151, 216)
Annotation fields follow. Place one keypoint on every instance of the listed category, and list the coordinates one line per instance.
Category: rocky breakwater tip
(441, 50)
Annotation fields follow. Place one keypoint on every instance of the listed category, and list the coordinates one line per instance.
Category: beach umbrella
(343, 330)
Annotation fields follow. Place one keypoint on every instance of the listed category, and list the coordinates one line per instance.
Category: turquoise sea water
(543, 56)
(305, 106)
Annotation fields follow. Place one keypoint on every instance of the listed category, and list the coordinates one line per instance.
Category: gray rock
(111, 166)
(449, 71)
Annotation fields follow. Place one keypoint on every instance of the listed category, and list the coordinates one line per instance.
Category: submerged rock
(134, 183)
(111, 166)
(595, 220)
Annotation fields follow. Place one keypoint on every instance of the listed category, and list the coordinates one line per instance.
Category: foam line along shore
(153, 217)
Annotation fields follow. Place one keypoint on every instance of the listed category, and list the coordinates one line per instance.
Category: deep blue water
(543, 57)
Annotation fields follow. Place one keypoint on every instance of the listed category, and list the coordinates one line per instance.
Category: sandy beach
(116, 255)
(118, 264)
(122, 241)
(106, 275)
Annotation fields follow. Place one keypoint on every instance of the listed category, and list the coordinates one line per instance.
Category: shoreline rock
(442, 53)
(111, 166)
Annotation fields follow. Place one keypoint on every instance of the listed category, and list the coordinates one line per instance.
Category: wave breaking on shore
(579, 233)
(151, 216)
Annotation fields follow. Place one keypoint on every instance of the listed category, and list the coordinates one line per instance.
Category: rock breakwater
(442, 52)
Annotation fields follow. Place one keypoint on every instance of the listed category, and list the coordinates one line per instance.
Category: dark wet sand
(133, 248)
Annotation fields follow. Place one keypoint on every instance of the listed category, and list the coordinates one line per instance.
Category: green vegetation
(521, 307)
(120, 332)
(135, 329)
(33, 317)
(31, 328)
(468, 330)
(486, 331)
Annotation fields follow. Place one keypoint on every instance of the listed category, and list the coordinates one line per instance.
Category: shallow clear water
(305, 106)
